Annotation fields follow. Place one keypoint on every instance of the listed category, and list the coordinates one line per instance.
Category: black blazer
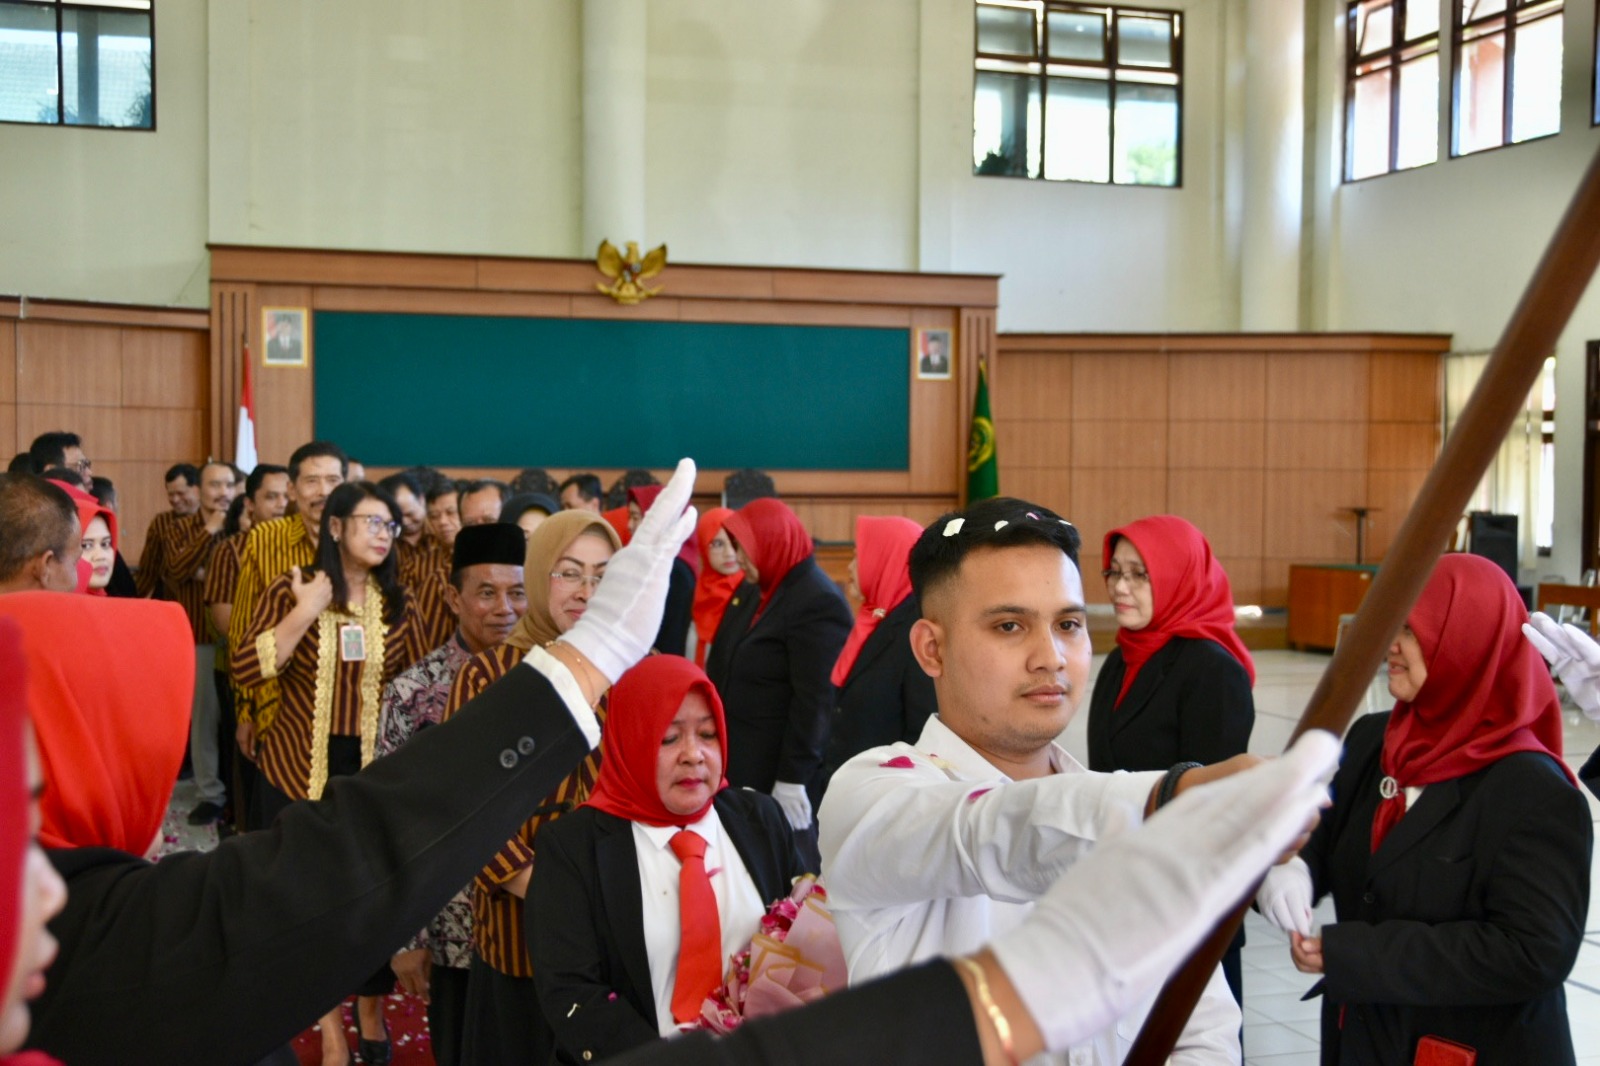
(736, 618)
(673, 636)
(250, 943)
(585, 925)
(886, 696)
(776, 685)
(1465, 922)
(1191, 701)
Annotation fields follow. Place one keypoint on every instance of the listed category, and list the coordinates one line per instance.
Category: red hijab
(712, 590)
(774, 539)
(883, 574)
(645, 497)
(109, 687)
(617, 518)
(1488, 692)
(1189, 594)
(88, 508)
(643, 703)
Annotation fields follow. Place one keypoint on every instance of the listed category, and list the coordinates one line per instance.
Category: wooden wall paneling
(1051, 487)
(1122, 444)
(1307, 445)
(100, 427)
(163, 435)
(864, 287)
(1103, 499)
(937, 424)
(1274, 582)
(1229, 506)
(799, 314)
(1216, 445)
(315, 266)
(164, 368)
(232, 329)
(1405, 386)
(284, 395)
(9, 445)
(8, 361)
(1205, 386)
(1305, 520)
(1119, 385)
(412, 301)
(1034, 385)
(69, 364)
(1391, 492)
(1034, 444)
(1244, 577)
(1327, 386)
(141, 495)
(1402, 445)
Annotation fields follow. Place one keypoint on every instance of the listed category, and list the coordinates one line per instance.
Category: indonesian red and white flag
(244, 448)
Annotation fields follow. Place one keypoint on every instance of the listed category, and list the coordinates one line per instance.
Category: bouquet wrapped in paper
(794, 959)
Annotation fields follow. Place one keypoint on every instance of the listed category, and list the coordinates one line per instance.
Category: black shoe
(374, 1052)
(206, 813)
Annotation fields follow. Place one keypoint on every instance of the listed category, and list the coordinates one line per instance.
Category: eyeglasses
(1135, 578)
(377, 524)
(570, 579)
(82, 466)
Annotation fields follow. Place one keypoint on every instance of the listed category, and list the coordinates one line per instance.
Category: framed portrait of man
(933, 359)
(283, 330)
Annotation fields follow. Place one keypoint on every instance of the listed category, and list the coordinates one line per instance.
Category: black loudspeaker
(1494, 536)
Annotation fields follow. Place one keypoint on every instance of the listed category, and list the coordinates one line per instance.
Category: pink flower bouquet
(793, 960)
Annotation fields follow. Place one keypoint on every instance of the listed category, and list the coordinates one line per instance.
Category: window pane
(1006, 30)
(1369, 126)
(1075, 35)
(1374, 26)
(1078, 130)
(27, 64)
(1144, 42)
(105, 67)
(1005, 125)
(1480, 101)
(1419, 112)
(1536, 80)
(1147, 135)
(1422, 18)
(1477, 9)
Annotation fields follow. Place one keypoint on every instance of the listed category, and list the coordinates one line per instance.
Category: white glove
(625, 611)
(1285, 897)
(1125, 916)
(1573, 655)
(795, 803)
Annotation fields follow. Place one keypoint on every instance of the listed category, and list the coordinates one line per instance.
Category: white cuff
(566, 686)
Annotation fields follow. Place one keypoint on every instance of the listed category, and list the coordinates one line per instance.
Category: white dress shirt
(936, 858)
(739, 902)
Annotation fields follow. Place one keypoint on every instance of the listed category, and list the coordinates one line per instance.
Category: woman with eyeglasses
(1177, 687)
(567, 557)
(333, 637)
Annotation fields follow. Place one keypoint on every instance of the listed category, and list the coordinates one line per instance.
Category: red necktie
(700, 946)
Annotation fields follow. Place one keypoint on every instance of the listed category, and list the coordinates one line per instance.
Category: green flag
(983, 472)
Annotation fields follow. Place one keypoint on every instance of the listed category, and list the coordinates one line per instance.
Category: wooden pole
(1530, 337)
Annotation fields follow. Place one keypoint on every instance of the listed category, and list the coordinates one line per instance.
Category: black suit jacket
(585, 924)
(251, 943)
(886, 697)
(776, 683)
(1465, 922)
(673, 635)
(1191, 701)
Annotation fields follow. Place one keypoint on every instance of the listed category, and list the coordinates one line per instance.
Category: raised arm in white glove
(1573, 655)
(625, 611)
(1285, 897)
(795, 803)
(1125, 916)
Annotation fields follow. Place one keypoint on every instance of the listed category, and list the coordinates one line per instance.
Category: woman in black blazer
(1457, 850)
(612, 928)
(775, 673)
(883, 695)
(1177, 686)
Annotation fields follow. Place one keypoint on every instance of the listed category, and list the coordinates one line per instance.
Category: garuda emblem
(628, 271)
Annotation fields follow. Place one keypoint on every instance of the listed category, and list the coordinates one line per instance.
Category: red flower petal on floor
(900, 762)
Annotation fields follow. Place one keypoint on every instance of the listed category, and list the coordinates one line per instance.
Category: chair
(745, 485)
(1584, 597)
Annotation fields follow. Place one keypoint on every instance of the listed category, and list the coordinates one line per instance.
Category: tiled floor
(1280, 1030)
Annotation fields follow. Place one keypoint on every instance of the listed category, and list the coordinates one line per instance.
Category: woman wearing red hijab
(774, 672)
(1457, 849)
(641, 894)
(1176, 688)
(720, 577)
(883, 695)
(673, 639)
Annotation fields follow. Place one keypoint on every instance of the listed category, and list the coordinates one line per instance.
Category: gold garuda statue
(628, 271)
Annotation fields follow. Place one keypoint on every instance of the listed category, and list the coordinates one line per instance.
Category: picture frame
(932, 358)
(285, 341)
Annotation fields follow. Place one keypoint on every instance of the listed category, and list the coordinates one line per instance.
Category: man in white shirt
(936, 847)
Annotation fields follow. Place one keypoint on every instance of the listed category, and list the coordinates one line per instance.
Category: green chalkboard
(456, 390)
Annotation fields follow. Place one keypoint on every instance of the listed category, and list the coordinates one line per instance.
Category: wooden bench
(1585, 596)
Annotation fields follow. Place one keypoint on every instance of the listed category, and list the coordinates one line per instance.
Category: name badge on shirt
(352, 644)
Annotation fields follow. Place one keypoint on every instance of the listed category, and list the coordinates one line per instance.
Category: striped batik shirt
(272, 549)
(183, 569)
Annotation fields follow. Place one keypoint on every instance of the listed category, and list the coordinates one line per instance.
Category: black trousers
(447, 1008)
(344, 757)
(502, 1021)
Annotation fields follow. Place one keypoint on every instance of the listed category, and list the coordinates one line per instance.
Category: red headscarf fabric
(618, 519)
(774, 539)
(1488, 693)
(90, 508)
(645, 497)
(712, 590)
(109, 687)
(642, 704)
(1189, 594)
(883, 573)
